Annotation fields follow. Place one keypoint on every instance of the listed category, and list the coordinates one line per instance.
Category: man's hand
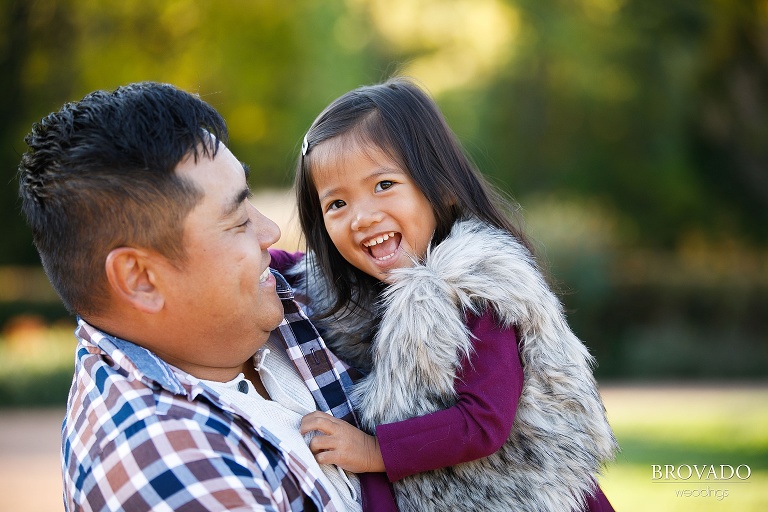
(338, 442)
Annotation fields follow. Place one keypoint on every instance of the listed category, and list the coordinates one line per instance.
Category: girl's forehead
(338, 152)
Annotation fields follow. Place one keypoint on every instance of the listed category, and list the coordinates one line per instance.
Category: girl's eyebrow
(329, 193)
(373, 175)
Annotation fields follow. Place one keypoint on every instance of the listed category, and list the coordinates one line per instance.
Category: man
(141, 217)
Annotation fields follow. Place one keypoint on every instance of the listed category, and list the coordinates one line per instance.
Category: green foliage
(654, 108)
(48, 312)
(36, 365)
(695, 313)
(651, 107)
(645, 120)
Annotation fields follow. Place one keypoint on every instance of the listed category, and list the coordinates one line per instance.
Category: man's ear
(132, 276)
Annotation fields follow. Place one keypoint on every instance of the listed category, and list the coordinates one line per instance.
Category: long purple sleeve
(488, 390)
(283, 260)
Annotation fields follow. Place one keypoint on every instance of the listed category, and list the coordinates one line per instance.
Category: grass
(688, 425)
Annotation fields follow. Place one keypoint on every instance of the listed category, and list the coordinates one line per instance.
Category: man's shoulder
(110, 397)
(106, 399)
(122, 436)
(121, 389)
(112, 413)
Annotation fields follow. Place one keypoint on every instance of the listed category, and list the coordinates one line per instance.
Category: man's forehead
(222, 178)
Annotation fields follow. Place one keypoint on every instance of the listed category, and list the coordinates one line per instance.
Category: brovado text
(701, 472)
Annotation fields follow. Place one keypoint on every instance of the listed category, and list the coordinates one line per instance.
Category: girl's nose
(365, 218)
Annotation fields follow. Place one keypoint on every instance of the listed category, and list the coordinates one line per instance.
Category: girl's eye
(383, 185)
(335, 205)
(245, 224)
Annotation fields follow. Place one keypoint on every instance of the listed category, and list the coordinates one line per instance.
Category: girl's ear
(131, 274)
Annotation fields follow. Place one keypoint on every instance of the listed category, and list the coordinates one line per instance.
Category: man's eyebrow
(233, 205)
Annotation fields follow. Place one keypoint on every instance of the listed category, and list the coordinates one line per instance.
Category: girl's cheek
(333, 234)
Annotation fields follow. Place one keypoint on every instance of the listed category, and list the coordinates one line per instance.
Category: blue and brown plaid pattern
(142, 435)
(324, 374)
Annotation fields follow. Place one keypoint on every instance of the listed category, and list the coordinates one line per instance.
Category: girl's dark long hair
(400, 119)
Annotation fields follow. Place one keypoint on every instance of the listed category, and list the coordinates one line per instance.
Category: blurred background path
(30, 478)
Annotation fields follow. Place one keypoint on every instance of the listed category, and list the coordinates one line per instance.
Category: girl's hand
(338, 442)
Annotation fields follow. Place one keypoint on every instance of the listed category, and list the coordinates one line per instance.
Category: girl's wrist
(375, 459)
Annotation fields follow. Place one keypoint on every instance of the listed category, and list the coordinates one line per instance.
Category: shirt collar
(284, 290)
(146, 366)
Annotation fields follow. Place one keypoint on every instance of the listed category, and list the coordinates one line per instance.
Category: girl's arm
(488, 390)
(283, 261)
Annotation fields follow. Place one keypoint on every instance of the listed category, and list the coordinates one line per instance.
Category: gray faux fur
(560, 437)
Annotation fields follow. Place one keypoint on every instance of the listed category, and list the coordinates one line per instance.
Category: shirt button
(242, 387)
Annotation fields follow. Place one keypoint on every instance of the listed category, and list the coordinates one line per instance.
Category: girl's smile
(383, 247)
(374, 213)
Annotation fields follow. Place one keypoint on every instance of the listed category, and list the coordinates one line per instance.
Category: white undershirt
(291, 400)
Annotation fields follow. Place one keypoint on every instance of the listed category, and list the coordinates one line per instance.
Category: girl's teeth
(379, 239)
(264, 275)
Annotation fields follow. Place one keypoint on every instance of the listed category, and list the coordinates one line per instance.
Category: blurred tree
(729, 127)
(13, 44)
(654, 109)
(34, 50)
(268, 67)
(604, 98)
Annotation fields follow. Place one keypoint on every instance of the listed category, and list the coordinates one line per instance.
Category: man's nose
(267, 230)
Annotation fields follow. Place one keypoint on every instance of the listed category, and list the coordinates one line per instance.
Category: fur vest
(560, 437)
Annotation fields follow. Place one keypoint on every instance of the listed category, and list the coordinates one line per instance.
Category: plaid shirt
(142, 435)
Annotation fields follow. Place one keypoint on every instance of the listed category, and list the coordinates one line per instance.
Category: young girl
(477, 392)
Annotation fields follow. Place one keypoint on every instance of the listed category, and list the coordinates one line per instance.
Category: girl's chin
(384, 267)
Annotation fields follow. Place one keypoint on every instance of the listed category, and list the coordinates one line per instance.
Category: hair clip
(304, 146)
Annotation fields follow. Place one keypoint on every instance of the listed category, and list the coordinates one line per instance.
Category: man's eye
(383, 185)
(335, 205)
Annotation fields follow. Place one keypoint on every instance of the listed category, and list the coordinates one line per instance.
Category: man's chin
(277, 316)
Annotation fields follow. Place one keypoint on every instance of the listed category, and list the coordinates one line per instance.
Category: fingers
(319, 444)
(341, 443)
(329, 449)
(319, 421)
(327, 457)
